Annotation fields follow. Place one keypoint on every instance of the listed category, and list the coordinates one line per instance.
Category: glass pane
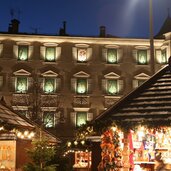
(112, 87)
(22, 53)
(81, 86)
(142, 57)
(82, 55)
(21, 85)
(163, 56)
(48, 119)
(50, 53)
(81, 118)
(112, 55)
(49, 85)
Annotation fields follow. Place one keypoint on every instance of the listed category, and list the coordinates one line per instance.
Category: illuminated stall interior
(144, 115)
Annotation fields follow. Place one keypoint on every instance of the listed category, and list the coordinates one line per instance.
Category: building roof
(8, 117)
(166, 28)
(152, 100)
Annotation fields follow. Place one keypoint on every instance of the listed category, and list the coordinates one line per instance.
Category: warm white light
(69, 144)
(82, 142)
(75, 142)
(26, 133)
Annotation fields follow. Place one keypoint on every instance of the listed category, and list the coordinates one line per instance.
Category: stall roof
(7, 116)
(152, 100)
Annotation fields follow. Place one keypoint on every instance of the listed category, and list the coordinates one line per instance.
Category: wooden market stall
(16, 135)
(144, 118)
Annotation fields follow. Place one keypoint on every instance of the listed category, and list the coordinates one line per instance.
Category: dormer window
(22, 52)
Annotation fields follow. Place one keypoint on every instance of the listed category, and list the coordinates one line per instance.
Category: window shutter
(12, 83)
(104, 85)
(1, 49)
(89, 53)
(30, 84)
(58, 84)
(58, 53)
(104, 54)
(134, 54)
(89, 116)
(74, 52)
(148, 56)
(73, 85)
(30, 52)
(73, 118)
(1, 81)
(42, 52)
(15, 51)
(120, 54)
(89, 81)
(120, 85)
(135, 83)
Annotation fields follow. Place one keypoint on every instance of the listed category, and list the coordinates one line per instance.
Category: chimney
(14, 26)
(102, 31)
(62, 31)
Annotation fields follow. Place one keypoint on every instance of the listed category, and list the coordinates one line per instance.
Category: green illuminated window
(142, 57)
(112, 87)
(81, 86)
(81, 118)
(50, 54)
(112, 56)
(163, 56)
(82, 55)
(21, 84)
(48, 119)
(49, 85)
(23, 53)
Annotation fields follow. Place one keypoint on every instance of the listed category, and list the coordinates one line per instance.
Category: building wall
(64, 102)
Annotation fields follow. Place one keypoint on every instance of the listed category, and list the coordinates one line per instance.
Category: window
(163, 56)
(81, 85)
(111, 84)
(142, 57)
(81, 118)
(112, 87)
(1, 82)
(111, 56)
(82, 55)
(140, 79)
(49, 119)
(50, 54)
(22, 52)
(49, 85)
(21, 84)
(140, 82)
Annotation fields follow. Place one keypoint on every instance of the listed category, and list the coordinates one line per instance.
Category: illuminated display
(142, 57)
(82, 55)
(81, 86)
(23, 53)
(112, 55)
(81, 118)
(49, 85)
(112, 87)
(50, 54)
(21, 85)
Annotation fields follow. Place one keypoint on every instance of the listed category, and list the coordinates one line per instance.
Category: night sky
(123, 18)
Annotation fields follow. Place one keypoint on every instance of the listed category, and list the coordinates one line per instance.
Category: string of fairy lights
(26, 134)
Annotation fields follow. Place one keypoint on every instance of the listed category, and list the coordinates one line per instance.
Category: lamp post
(151, 36)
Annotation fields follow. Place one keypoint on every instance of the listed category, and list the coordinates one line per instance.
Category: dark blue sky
(124, 18)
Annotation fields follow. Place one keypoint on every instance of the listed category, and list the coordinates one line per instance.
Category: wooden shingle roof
(152, 100)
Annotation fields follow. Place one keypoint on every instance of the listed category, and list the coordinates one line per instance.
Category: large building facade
(64, 81)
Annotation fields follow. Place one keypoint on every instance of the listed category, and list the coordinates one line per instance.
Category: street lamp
(151, 36)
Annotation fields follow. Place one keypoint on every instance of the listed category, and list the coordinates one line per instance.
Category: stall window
(81, 118)
(49, 119)
(142, 57)
(49, 85)
(82, 55)
(112, 56)
(50, 54)
(21, 84)
(163, 56)
(22, 52)
(81, 86)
